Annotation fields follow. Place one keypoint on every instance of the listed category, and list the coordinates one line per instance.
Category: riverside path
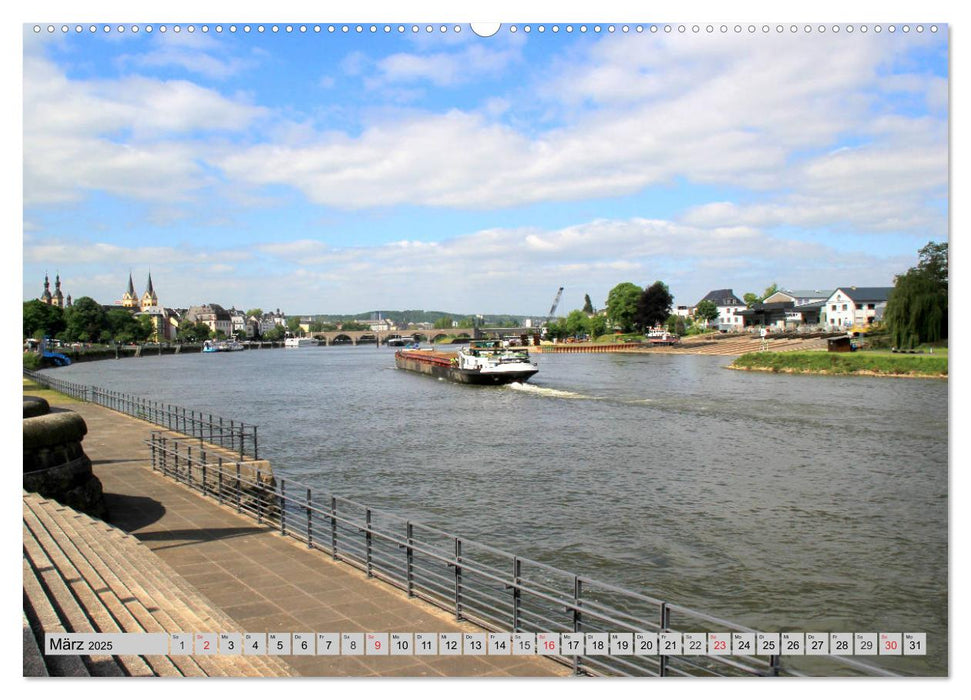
(263, 581)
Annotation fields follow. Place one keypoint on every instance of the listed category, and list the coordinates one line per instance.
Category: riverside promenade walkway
(263, 581)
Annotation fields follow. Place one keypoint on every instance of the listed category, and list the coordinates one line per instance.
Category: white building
(728, 306)
(847, 307)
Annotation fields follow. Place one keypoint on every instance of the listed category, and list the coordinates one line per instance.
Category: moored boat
(482, 362)
(298, 342)
(222, 346)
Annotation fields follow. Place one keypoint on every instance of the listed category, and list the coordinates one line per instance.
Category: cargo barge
(483, 362)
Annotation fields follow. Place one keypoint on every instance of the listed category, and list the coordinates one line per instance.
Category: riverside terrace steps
(77, 557)
(261, 581)
(692, 345)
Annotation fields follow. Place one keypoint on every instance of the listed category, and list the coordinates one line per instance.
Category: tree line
(86, 321)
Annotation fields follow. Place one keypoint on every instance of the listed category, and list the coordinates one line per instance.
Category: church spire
(131, 285)
(46, 296)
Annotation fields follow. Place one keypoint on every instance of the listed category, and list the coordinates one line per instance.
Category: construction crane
(556, 302)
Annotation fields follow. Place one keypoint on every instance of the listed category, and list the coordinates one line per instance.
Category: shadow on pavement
(132, 512)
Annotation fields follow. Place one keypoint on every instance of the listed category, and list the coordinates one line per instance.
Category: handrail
(476, 582)
(233, 435)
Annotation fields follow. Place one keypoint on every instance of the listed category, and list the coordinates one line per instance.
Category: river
(787, 502)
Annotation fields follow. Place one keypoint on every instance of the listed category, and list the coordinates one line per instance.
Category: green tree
(653, 306)
(587, 304)
(917, 306)
(596, 325)
(122, 326)
(257, 312)
(622, 305)
(751, 298)
(86, 321)
(293, 325)
(676, 324)
(443, 322)
(706, 311)
(278, 332)
(193, 332)
(556, 328)
(575, 324)
(42, 319)
(147, 330)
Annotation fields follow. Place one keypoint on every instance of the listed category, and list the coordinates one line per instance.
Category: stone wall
(55, 465)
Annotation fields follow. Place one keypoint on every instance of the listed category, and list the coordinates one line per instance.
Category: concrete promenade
(263, 581)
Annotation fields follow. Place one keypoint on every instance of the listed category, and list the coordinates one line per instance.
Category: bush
(33, 361)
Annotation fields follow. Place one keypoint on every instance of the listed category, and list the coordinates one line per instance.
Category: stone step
(97, 615)
(173, 602)
(69, 611)
(42, 617)
(197, 613)
(163, 594)
(33, 658)
(125, 606)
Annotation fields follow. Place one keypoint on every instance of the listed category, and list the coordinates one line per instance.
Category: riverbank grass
(52, 397)
(876, 363)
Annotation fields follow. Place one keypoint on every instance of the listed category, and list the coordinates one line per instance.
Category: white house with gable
(847, 307)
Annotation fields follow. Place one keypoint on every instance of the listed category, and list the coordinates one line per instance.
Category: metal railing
(240, 438)
(489, 587)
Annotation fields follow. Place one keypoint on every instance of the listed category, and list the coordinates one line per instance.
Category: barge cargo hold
(481, 363)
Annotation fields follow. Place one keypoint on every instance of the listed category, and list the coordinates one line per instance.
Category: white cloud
(730, 111)
(132, 137)
(443, 69)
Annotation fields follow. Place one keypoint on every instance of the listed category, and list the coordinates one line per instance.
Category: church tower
(58, 299)
(46, 296)
(149, 298)
(129, 299)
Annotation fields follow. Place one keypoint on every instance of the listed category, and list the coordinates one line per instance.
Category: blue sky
(342, 172)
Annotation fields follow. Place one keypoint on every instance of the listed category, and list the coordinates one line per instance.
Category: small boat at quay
(222, 346)
(482, 362)
(298, 342)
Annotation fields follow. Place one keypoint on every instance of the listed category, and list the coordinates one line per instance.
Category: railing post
(239, 488)
(219, 477)
(310, 516)
(458, 579)
(775, 662)
(188, 465)
(333, 526)
(367, 542)
(577, 617)
(665, 624)
(259, 498)
(517, 569)
(256, 450)
(222, 438)
(409, 560)
(283, 507)
(205, 487)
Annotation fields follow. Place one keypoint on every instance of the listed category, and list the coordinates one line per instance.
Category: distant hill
(417, 316)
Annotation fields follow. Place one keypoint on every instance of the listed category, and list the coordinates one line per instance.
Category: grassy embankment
(867, 362)
(52, 397)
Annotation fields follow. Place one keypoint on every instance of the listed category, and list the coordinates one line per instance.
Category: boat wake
(546, 391)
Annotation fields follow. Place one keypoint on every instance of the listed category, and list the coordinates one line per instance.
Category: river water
(778, 501)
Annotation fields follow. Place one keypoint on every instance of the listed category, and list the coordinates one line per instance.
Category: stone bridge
(422, 336)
